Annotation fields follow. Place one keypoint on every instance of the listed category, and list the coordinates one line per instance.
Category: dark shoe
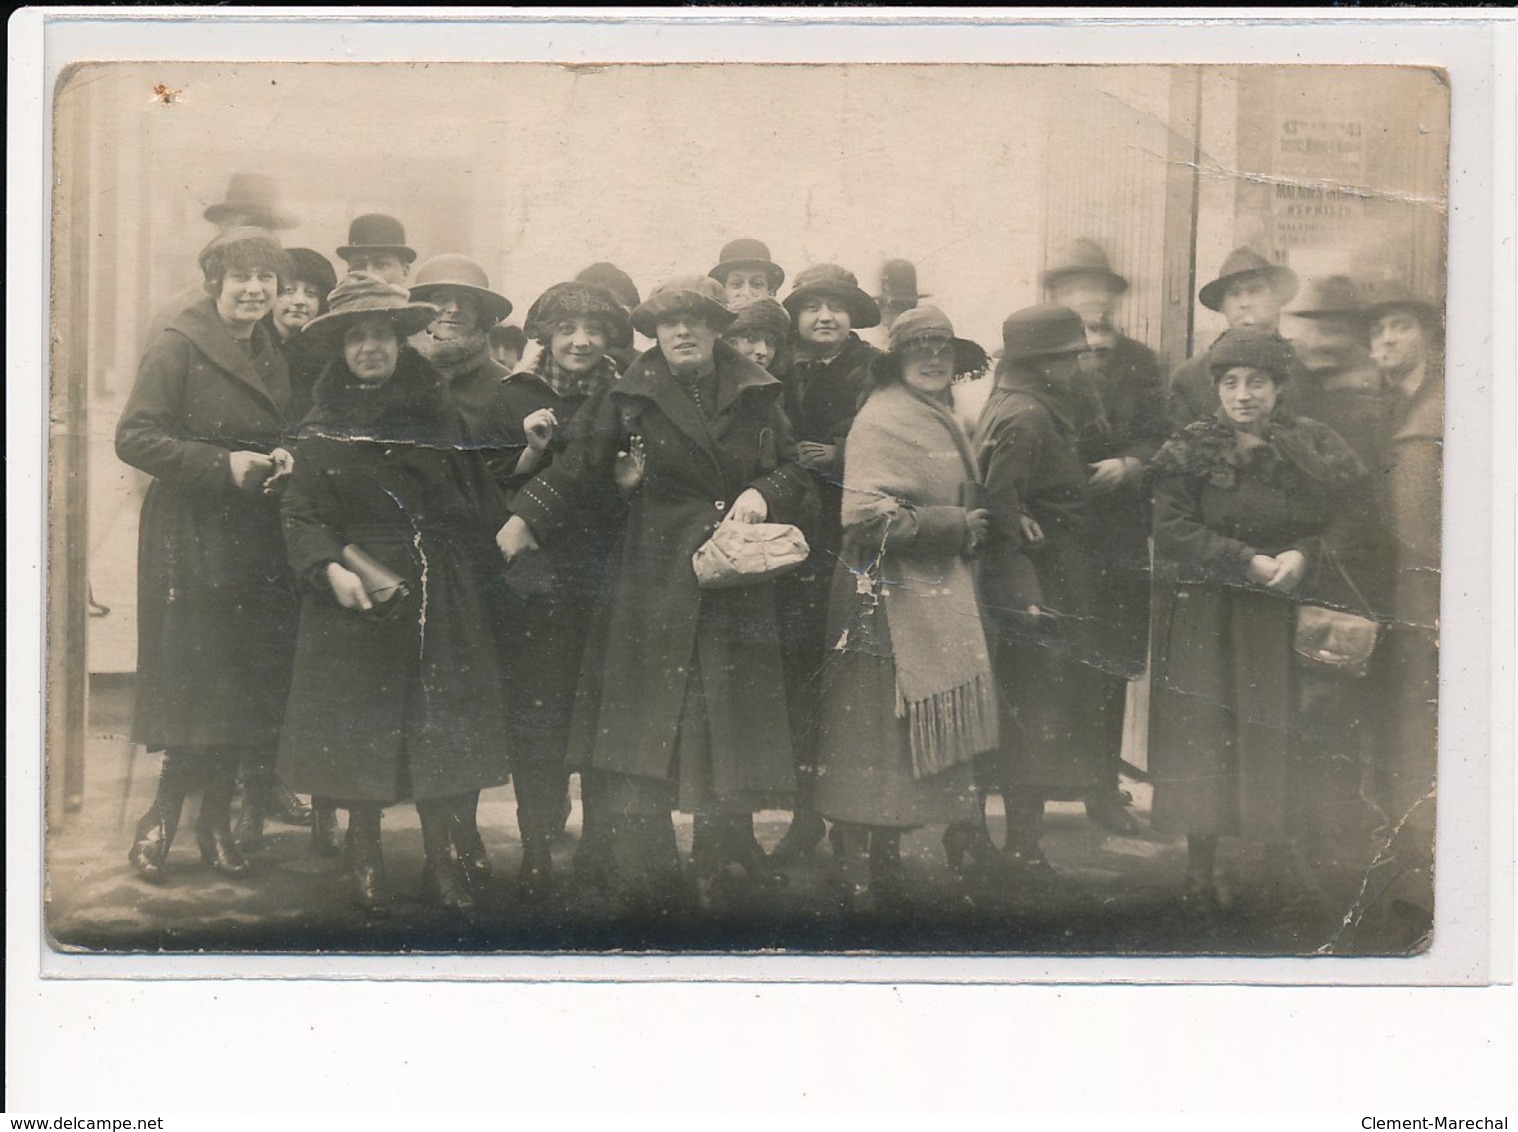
(249, 831)
(536, 882)
(560, 820)
(220, 851)
(800, 841)
(365, 860)
(1029, 873)
(283, 806)
(1109, 811)
(443, 880)
(150, 850)
(964, 841)
(747, 854)
(326, 837)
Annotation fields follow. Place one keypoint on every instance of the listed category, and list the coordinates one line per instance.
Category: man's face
(387, 265)
(823, 321)
(1252, 301)
(745, 286)
(1090, 296)
(458, 313)
(1398, 342)
(1326, 343)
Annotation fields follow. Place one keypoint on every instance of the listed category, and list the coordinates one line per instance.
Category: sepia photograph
(745, 508)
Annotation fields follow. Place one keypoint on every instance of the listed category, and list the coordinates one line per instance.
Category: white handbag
(743, 554)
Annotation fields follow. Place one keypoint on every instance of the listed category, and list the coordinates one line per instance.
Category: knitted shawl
(906, 453)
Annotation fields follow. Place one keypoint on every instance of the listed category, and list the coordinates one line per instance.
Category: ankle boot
(443, 881)
(213, 829)
(364, 859)
(156, 829)
(326, 838)
(535, 878)
(282, 804)
(801, 840)
(249, 831)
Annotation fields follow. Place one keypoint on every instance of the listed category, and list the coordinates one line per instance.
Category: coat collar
(200, 323)
(649, 377)
(1059, 402)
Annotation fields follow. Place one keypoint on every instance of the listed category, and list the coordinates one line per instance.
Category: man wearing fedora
(251, 200)
(1248, 291)
(1121, 424)
(377, 244)
(827, 379)
(898, 294)
(1406, 335)
(1338, 385)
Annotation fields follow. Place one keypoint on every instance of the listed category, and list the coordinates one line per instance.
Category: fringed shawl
(905, 456)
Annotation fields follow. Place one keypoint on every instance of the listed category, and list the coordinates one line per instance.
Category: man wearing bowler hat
(251, 200)
(1249, 291)
(377, 244)
(747, 273)
(1121, 424)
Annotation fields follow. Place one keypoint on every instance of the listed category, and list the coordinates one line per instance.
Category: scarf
(567, 384)
(1216, 450)
(410, 408)
(453, 356)
(906, 450)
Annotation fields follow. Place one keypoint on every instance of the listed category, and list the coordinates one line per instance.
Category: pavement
(1123, 895)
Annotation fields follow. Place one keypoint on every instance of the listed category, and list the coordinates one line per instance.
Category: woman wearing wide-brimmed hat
(681, 701)
(1253, 509)
(536, 412)
(209, 420)
(908, 697)
(1042, 596)
(827, 379)
(388, 521)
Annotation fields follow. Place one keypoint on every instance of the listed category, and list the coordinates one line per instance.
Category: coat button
(720, 505)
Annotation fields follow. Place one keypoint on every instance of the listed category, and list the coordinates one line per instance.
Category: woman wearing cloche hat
(681, 702)
(908, 698)
(388, 522)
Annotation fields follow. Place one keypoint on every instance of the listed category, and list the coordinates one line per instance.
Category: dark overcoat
(407, 707)
(655, 624)
(821, 400)
(1134, 424)
(216, 607)
(1229, 746)
(1062, 701)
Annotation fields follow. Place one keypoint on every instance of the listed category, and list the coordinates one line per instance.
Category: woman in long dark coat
(681, 700)
(1042, 598)
(209, 419)
(1253, 510)
(908, 698)
(397, 690)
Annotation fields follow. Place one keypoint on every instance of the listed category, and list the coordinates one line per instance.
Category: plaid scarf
(567, 384)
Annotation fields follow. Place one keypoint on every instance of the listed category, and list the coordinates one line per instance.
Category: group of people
(396, 550)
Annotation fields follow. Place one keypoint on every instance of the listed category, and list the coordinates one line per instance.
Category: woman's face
(823, 321)
(578, 344)
(745, 286)
(297, 303)
(371, 349)
(686, 341)
(756, 347)
(928, 366)
(1248, 394)
(247, 294)
(458, 313)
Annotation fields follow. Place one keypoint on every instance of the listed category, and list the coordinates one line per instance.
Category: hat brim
(275, 218)
(401, 250)
(616, 318)
(1424, 310)
(1074, 346)
(863, 310)
(1284, 278)
(497, 307)
(1329, 312)
(326, 330)
(774, 271)
(968, 356)
(1052, 279)
(659, 308)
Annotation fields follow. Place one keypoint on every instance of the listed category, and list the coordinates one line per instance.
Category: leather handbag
(744, 554)
(1334, 640)
(384, 586)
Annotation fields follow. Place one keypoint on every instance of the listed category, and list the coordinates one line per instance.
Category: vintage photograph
(927, 509)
